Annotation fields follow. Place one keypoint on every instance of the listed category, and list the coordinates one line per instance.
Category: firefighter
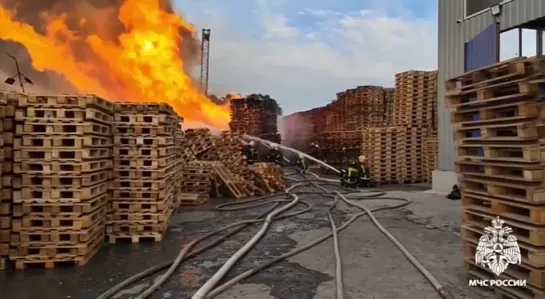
(349, 176)
(276, 155)
(364, 175)
(357, 174)
(250, 153)
(301, 165)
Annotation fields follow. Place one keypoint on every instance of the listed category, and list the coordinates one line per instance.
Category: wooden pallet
(503, 189)
(128, 163)
(139, 195)
(54, 114)
(142, 130)
(138, 206)
(526, 173)
(513, 89)
(501, 71)
(51, 154)
(59, 208)
(52, 194)
(512, 152)
(144, 152)
(55, 237)
(60, 167)
(146, 119)
(192, 199)
(27, 251)
(53, 262)
(522, 212)
(65, 101)
(61, 181)
(68, 141)
(140, 185)
(120, 217)
(134, 228)
(229, 180)
(58, 222)
(145, 174)
(143, 107)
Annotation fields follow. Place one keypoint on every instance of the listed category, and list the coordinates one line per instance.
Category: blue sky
(302, 52)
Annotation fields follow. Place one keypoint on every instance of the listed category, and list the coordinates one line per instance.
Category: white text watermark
(497, 283)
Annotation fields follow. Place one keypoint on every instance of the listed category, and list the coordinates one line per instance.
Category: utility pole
(205, 59)
(20, 76)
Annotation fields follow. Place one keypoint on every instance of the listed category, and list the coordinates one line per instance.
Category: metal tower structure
(205, 59)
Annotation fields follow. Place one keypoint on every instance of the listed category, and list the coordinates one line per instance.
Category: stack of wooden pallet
(414, 94)
(318, 121)
(219, 169)
(415, 97)
(430, 152)
(197, 183)
(145, 171)
(339, 140)
(5, 203)
(244, 116)
(389, 104)
(381, 146)
(497, 122)
(255, 115)
(411, 155)
(370, 111)
(332, 117)
(62, 152)
(11, 181)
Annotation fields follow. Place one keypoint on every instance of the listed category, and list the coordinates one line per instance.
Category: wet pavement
(306, 275)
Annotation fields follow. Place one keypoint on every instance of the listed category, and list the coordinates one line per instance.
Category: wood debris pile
(215, 167)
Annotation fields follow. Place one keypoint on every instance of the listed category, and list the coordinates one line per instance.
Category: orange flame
(143, 65)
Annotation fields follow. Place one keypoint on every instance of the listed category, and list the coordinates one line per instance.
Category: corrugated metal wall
(452, 37)
(483, 50)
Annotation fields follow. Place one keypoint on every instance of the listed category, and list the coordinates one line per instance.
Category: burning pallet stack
(497, 121)
(416, 93)
(146, 166)
(255, 115)
(62, 153)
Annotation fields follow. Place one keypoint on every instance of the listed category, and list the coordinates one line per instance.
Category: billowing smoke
(296, 130)
(83, 18)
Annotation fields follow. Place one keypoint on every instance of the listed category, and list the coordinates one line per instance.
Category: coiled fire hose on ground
(208, 291)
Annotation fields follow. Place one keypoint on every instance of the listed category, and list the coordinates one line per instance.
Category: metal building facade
(482, 50)
(454, 32)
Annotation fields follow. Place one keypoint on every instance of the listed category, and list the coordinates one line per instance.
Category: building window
(476, 7)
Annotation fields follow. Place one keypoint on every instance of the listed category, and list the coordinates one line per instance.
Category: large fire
(143, 64)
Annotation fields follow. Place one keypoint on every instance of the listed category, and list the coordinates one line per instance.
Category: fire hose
(208, 291)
